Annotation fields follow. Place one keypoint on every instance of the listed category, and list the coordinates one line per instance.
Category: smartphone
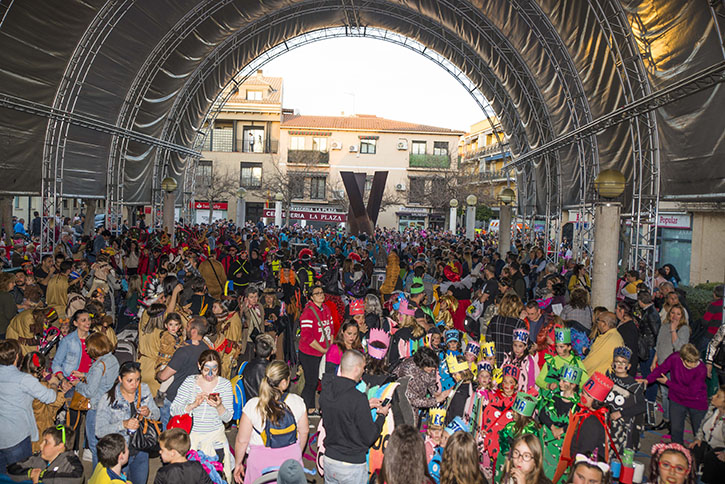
(214, 396)
(385, 402)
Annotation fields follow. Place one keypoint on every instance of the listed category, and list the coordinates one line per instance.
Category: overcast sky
(372, 77)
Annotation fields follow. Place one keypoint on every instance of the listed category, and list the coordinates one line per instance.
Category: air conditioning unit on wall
(402, 144)
(400, 187)
(353, 148)
(336, 145)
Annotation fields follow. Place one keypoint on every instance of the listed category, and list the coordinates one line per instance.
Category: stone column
(168, 213)
(89, 227)
(606, 251)
(452, 220)
(504, 230)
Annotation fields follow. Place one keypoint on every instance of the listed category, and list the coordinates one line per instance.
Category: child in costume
(433, 434)
(523, 423)
(488, 355)
(472, 352)
(554, 413)
(434, 466)
(520, 357)
(485, 385)
(549, 376)
(588, 429)
(498, 413)
(453, 344)
(626, 402)
(462, 400)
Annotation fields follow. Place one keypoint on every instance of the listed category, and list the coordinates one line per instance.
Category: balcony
(249, 146)
(429, 161)
(494, 149)
(308, 157)
(496, 176)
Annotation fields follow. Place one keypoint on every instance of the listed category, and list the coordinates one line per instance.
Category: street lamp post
(452, 215)
(278, 209)
(506, 199)
(609, 185)
(471, 201)
(169, 185)
(241, 207)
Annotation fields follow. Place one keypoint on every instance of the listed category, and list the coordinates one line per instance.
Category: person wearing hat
(548, 378)
(626, 402)
(523, 423)
(554, 409)
(498, 413)
(519, 356)
(461, 400)
(434, 465)
(588, 429)
(452, 343)
(600, 356)
(434, 432)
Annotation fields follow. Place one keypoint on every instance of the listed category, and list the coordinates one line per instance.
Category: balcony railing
(429, 161)
(495, 176)
(493, 149)
(308, 157)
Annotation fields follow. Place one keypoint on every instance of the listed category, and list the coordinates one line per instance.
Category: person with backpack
(273, 427)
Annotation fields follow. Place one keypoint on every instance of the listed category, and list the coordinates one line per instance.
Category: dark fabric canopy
(547, 67)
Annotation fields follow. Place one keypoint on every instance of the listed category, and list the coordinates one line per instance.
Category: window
(368, 146)
(440, 148)
(297, 185)
(319, 144)
(222, 136)
(251, 175)
(253, 139)
(417, 190)
(418, 148)
(317, 187)
(203, 173)
(297, 143)
(254, 95)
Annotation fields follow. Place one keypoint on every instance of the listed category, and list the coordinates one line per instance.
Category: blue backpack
(283, 433)
(240, 398)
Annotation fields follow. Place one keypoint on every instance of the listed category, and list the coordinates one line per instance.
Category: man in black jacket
(254, 371)
(349, 426)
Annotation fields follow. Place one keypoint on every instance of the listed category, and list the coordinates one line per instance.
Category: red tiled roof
(360, 122)
(256, 81)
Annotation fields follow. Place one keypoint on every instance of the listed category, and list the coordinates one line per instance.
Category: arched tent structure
(104, 98)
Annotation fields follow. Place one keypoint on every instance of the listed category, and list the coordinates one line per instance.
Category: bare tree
(216, 185)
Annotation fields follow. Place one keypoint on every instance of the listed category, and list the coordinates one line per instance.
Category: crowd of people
(235, 354)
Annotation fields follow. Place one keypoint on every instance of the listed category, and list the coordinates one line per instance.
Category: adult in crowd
(72, 362)
(709, 444)
(209, 399)
(578, 309)
(255, 369)
(717, 343)
(579, 279)
(629, 331)
(100, 378)
(649, 324)
(8, 307)
(404, 461)
(421, 370)
(16, 406)
(536, 319)
(350, 428)
(600, 355)
(460, 461)
(213, 273)
(273, 408)
(119, 411)
(500, 329)
(183, 363)
(315, 340)
(673, 334)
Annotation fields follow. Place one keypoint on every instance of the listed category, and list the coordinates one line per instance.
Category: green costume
(554, 410)
(551, 372)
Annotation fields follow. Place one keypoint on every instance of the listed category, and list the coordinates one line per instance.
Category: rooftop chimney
(259, 73)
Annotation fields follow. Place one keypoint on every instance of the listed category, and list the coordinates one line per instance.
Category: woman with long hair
(671, 464)
(348, 338)
(501, 327)
(460, 461)
(149, 343)
(404, 460)
(273, 406)
(525, 462)
(119, 411)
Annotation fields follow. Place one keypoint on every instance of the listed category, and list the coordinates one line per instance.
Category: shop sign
(310, 215)
(678, 221)
(205, 205)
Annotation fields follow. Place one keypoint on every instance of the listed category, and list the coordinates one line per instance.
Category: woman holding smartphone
(208, 398)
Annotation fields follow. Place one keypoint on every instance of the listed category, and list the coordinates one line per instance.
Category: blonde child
(433, 434)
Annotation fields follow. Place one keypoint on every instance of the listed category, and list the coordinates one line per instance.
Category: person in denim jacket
(71, 360)
(99, 380)
(114, 415)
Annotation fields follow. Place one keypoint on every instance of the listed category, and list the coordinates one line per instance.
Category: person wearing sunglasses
(55, 464)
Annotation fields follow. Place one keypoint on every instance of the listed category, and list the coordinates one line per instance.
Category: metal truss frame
(5, 6)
